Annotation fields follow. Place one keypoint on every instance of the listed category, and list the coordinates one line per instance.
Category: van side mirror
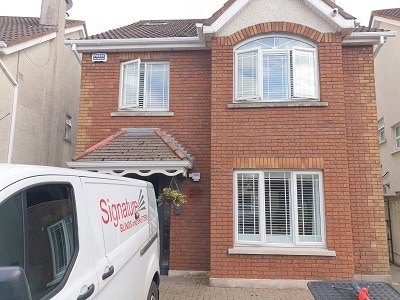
(13, 284)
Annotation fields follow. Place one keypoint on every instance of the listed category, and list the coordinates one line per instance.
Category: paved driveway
(197, 288)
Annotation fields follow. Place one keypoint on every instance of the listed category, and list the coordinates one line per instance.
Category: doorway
(159, 181)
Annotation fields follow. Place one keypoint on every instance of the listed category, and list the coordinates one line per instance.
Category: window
(279, 208)
(144, 85)
(397, 134)
(381, 131)
(276, 69)
(68, 128)
(38, 227)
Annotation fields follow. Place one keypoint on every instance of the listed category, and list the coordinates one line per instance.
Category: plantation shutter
(277, 207)
(275, 76)
(247, 75)
(130, 84)
(157, 85)
(304, 73)
(248, 218)
(308, 208)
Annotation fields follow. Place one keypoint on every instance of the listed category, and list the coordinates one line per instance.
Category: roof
(196, 34)
(148, 150)
(176, 28)
(152, 29)
(390, 13)
(16, 30)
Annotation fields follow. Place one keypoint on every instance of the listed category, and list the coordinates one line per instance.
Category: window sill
(142, 114)
(396, 151)
(382, 141)
(248, 104)
(262, 250)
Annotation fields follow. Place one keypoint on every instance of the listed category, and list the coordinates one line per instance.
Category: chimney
(53, 13)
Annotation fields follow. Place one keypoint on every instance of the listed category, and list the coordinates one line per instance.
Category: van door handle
(108, 273)
(87, 294)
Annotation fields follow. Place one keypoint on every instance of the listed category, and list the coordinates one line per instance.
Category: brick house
(273, 105)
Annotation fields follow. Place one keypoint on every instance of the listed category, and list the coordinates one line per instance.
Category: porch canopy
(141, 151)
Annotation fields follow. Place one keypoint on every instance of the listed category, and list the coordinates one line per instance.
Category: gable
(261, 11)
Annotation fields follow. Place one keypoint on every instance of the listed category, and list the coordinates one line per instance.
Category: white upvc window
(279, 208)
(276, 69)
(381, 131)
(397, 134)
(144, 86)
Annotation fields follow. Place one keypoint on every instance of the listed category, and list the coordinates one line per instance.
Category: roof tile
(135, 144)
(15, 30)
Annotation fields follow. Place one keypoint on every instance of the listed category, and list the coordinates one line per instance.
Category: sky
(102, 15)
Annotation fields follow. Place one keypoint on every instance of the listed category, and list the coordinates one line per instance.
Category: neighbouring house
(387, 71)
(264, 115)
(40, 81)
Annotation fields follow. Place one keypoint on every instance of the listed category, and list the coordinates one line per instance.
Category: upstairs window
(276, 69)
(144, 86)
(397, 134)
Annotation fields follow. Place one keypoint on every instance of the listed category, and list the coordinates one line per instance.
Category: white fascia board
(386, 20)
(120, 45)
(28, 44)
(138, 164)
(367, 38)
(328, 13)
(226, 16)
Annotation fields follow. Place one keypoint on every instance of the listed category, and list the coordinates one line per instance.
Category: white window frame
(381, 131)
(295, 243)
(293, 76)
(140, 97)
(397, 136)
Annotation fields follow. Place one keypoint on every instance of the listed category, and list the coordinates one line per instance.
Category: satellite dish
(69, 4)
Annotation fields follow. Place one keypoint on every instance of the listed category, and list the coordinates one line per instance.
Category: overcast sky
(102, 15)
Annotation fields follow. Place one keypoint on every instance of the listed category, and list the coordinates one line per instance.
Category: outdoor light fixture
(195, 176)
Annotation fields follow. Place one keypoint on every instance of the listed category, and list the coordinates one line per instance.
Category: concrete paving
(179, 288)
(192, 287)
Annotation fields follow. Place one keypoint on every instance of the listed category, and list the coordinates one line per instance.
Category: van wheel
(153, 292)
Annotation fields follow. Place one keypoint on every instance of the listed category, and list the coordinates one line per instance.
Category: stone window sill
(281, 251)
(142, 114)
(248, 104)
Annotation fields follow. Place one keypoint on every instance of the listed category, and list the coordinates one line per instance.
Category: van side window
(49, 244)
(11, 232)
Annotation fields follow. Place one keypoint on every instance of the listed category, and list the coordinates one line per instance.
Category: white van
(67, 234)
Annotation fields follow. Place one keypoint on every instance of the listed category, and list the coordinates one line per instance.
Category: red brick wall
(294, 138)
(190, 74)
(368, 218)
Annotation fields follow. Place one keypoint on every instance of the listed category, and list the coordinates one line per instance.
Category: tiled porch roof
(136, 150)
